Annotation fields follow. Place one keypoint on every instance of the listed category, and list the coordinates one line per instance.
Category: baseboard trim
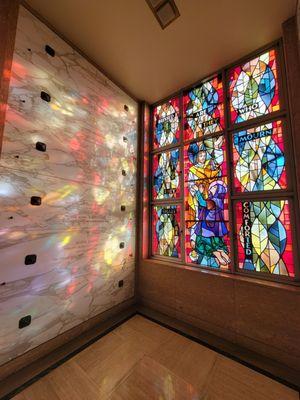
(265, 366)
(91, 331)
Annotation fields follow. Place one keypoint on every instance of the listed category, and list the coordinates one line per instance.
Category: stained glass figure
(264, 231)
(254, 88)
(166, 123)
(259, 161)
(166, 175)
(204, 163)
(204, 109)
(166, 230)
(206, 215)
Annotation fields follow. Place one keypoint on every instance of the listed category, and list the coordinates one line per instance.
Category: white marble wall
(77, 230)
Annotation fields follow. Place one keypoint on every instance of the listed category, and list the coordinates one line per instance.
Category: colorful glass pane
(166, 175)
(166, 123)
(264, 231)
(206, 199)
(259, 161)
(166, 230)
(254, 88)
(204, 166)
(204, 109)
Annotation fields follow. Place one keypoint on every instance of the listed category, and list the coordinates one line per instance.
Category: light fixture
(155, 3)
(165, 11)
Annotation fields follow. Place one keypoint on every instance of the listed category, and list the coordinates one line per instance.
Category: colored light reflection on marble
(77, 230)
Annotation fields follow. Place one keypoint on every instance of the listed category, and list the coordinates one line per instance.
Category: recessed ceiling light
(166, 14)
(156, 3)
(165, 11)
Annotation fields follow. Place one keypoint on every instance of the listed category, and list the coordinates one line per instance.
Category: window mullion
(182, 185)
(263, 195)
(230, 172)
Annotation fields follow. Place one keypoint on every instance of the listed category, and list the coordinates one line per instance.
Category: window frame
(290, 193)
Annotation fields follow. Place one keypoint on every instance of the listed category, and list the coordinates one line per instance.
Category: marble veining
(84, 242)
(70, 252)
(64, 204)
(79, 138)
(58, 307)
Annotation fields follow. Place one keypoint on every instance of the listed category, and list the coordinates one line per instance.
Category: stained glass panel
(206, 203)
(166, 230)
(204, 109)
(166, 123)
(259, 161)
(166, 175)
(204, 169)
(254, 88)
(264, 237)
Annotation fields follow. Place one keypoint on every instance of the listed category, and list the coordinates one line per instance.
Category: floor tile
(188, 360)
(20, 396)
(98, 351)
(232, 381)
(40, 390)
(150, 329)
(137, 339)
(107, 373)
(70, 382)
(140, 360)
(150, 380)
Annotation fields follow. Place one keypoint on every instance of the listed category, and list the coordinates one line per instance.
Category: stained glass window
(166, 230)
(264, 237)
(226, 228)
(259, 161)
(206, 203)
(254, 88)
(204, 109)
(166, 175)
(166, 123)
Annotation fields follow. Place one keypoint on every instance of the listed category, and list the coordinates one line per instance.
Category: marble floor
(141, 360)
